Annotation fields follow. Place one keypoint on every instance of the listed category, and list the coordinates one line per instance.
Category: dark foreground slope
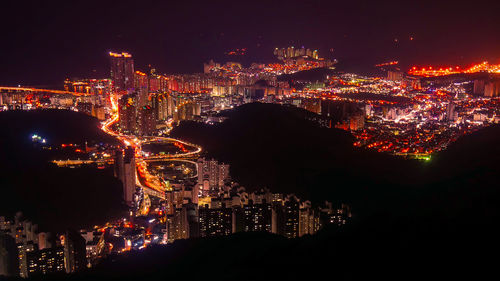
(445, 228)
(382, 249)
(55, 198)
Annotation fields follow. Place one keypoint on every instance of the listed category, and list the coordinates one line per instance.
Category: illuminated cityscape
(316, 138)
(164, 179)
(399, 114)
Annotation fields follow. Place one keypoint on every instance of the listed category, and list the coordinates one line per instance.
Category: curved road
(151, 184)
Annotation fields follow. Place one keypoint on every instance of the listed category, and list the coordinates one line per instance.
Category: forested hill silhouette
(279, 147)
(477, 151)
(463, 180)
(55, 125)
(55, 198)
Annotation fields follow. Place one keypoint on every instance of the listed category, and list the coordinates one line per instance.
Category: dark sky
(43, 42)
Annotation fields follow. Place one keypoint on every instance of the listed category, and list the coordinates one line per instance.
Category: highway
(151, 184)
(35, 90)
(186, 155)
(195, 164)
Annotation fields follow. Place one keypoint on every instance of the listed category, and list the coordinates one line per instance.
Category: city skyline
(443, 33)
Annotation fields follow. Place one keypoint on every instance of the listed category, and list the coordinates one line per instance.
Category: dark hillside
(278, 147)
(55, 198)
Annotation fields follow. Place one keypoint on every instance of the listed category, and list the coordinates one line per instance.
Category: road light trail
(151, 184)
(23, 89)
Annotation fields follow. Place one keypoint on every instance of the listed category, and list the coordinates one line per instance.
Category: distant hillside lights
(38, 139)
(89, 86)
(442, 71)
(291, 52)
(30, 98)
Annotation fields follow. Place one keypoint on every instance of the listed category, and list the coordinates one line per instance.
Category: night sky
(43, 43)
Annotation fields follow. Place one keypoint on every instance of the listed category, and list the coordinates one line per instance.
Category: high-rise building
(479, 86)
(27, 253)
(122, 71)
(315, 54)
(161, 107)
(450, 111)
(395, 75)
(357, 122)
(257, 217)
(9, 260)
(92, 239)
(308, 220)
(330, 215)
(49, 260)
(46, 240)
(125, 170)
(85, 107)
(215, 221)
(212, 176)
(127, 111)
(142, 96)
(129, 175)
(291, 217)
(487, 86)
(183, 224)
(99, 112)
(302, 51)
(26, 239)
(146, 121)
(74, 251)
(492, 88)
(154, 82)
(140, 80)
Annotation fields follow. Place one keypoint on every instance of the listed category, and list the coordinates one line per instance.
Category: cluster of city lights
(37, 138)
(441, 71)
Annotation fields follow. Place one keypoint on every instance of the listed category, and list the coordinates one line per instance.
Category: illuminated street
(152, 184)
